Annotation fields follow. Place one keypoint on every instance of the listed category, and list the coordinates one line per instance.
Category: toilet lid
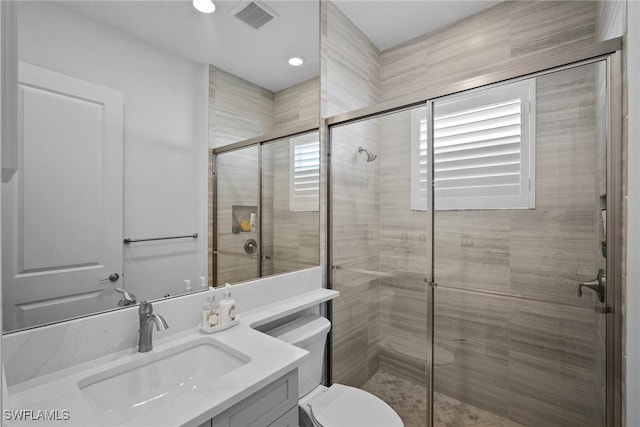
(344, 406)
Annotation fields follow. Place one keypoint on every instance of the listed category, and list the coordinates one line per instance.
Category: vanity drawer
(290, 419)
(263, 407)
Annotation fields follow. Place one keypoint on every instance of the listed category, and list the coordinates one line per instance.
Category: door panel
(62, 212)
(61, 140)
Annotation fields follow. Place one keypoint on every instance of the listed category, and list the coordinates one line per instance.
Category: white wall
(165, 134)
(633, 215)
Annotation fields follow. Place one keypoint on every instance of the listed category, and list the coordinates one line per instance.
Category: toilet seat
(345, 406)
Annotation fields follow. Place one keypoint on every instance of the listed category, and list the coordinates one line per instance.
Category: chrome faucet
(147, 319)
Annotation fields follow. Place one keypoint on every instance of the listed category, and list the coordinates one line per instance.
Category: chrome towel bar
(130, 240)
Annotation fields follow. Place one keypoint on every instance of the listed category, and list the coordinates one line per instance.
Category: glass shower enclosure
(468, 240)
(265, 205)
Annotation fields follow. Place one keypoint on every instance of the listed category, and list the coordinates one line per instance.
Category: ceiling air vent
(253, 13)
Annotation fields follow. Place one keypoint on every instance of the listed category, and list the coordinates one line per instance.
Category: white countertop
(270, 359)
(270, 312)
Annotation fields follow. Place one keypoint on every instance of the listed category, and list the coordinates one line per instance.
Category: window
(304, 186)
(484, 150)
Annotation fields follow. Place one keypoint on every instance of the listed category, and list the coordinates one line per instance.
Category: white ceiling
(387, 23)
(260, 55)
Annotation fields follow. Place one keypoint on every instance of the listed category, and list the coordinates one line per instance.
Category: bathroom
(449, 314)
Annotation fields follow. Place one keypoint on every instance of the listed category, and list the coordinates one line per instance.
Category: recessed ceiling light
(204, 6)
(296, 61)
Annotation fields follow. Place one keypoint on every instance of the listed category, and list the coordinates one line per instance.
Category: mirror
(120, 104)
(237, 200)
(290, 204)
(267, 209)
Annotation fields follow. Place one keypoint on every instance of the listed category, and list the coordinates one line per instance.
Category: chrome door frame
(614, 240)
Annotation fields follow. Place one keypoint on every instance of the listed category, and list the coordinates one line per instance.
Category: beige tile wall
(238, 109)
(350, 69)
(486, 42)
(297, 103)
(350, 80)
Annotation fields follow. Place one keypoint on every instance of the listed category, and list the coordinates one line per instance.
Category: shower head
(370, 156)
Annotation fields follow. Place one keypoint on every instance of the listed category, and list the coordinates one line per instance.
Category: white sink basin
(145, 381)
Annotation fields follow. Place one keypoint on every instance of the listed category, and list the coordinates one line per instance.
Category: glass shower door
(290, 203)
(520, 200)
(380, 250)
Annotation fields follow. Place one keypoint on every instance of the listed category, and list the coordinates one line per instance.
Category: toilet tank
(310, 333)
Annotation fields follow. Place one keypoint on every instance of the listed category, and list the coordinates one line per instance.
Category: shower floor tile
(409, 401)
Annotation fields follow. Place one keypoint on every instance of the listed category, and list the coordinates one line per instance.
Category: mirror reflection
(267, 209)
(120, 104)
(237, 232)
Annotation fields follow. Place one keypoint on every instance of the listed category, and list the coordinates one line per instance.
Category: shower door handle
(597, 285)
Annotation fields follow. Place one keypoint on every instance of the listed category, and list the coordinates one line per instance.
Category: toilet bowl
(338, 405)
(341, 405)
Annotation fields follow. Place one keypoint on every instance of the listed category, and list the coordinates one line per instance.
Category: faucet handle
(127, 298)
(145, 308)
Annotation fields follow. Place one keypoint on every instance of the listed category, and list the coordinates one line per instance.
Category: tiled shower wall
(500, 346)
(489, 41)
(239, 110)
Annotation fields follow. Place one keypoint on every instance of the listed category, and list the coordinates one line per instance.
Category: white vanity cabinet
(275, 405)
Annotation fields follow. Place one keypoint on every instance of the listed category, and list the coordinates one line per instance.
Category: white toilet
(338, 405)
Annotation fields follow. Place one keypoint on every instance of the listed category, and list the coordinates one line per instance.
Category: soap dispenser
(227, 306)
(211, 311)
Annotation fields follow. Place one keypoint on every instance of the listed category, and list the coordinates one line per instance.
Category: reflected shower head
(370, 156)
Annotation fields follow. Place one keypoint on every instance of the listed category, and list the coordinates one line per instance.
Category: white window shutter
(484, 152)
(419, 160)
(304, 183)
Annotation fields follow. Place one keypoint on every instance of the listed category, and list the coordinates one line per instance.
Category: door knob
(113, 277)
(597, 285)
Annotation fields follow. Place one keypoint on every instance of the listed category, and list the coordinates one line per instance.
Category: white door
(62, 211)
